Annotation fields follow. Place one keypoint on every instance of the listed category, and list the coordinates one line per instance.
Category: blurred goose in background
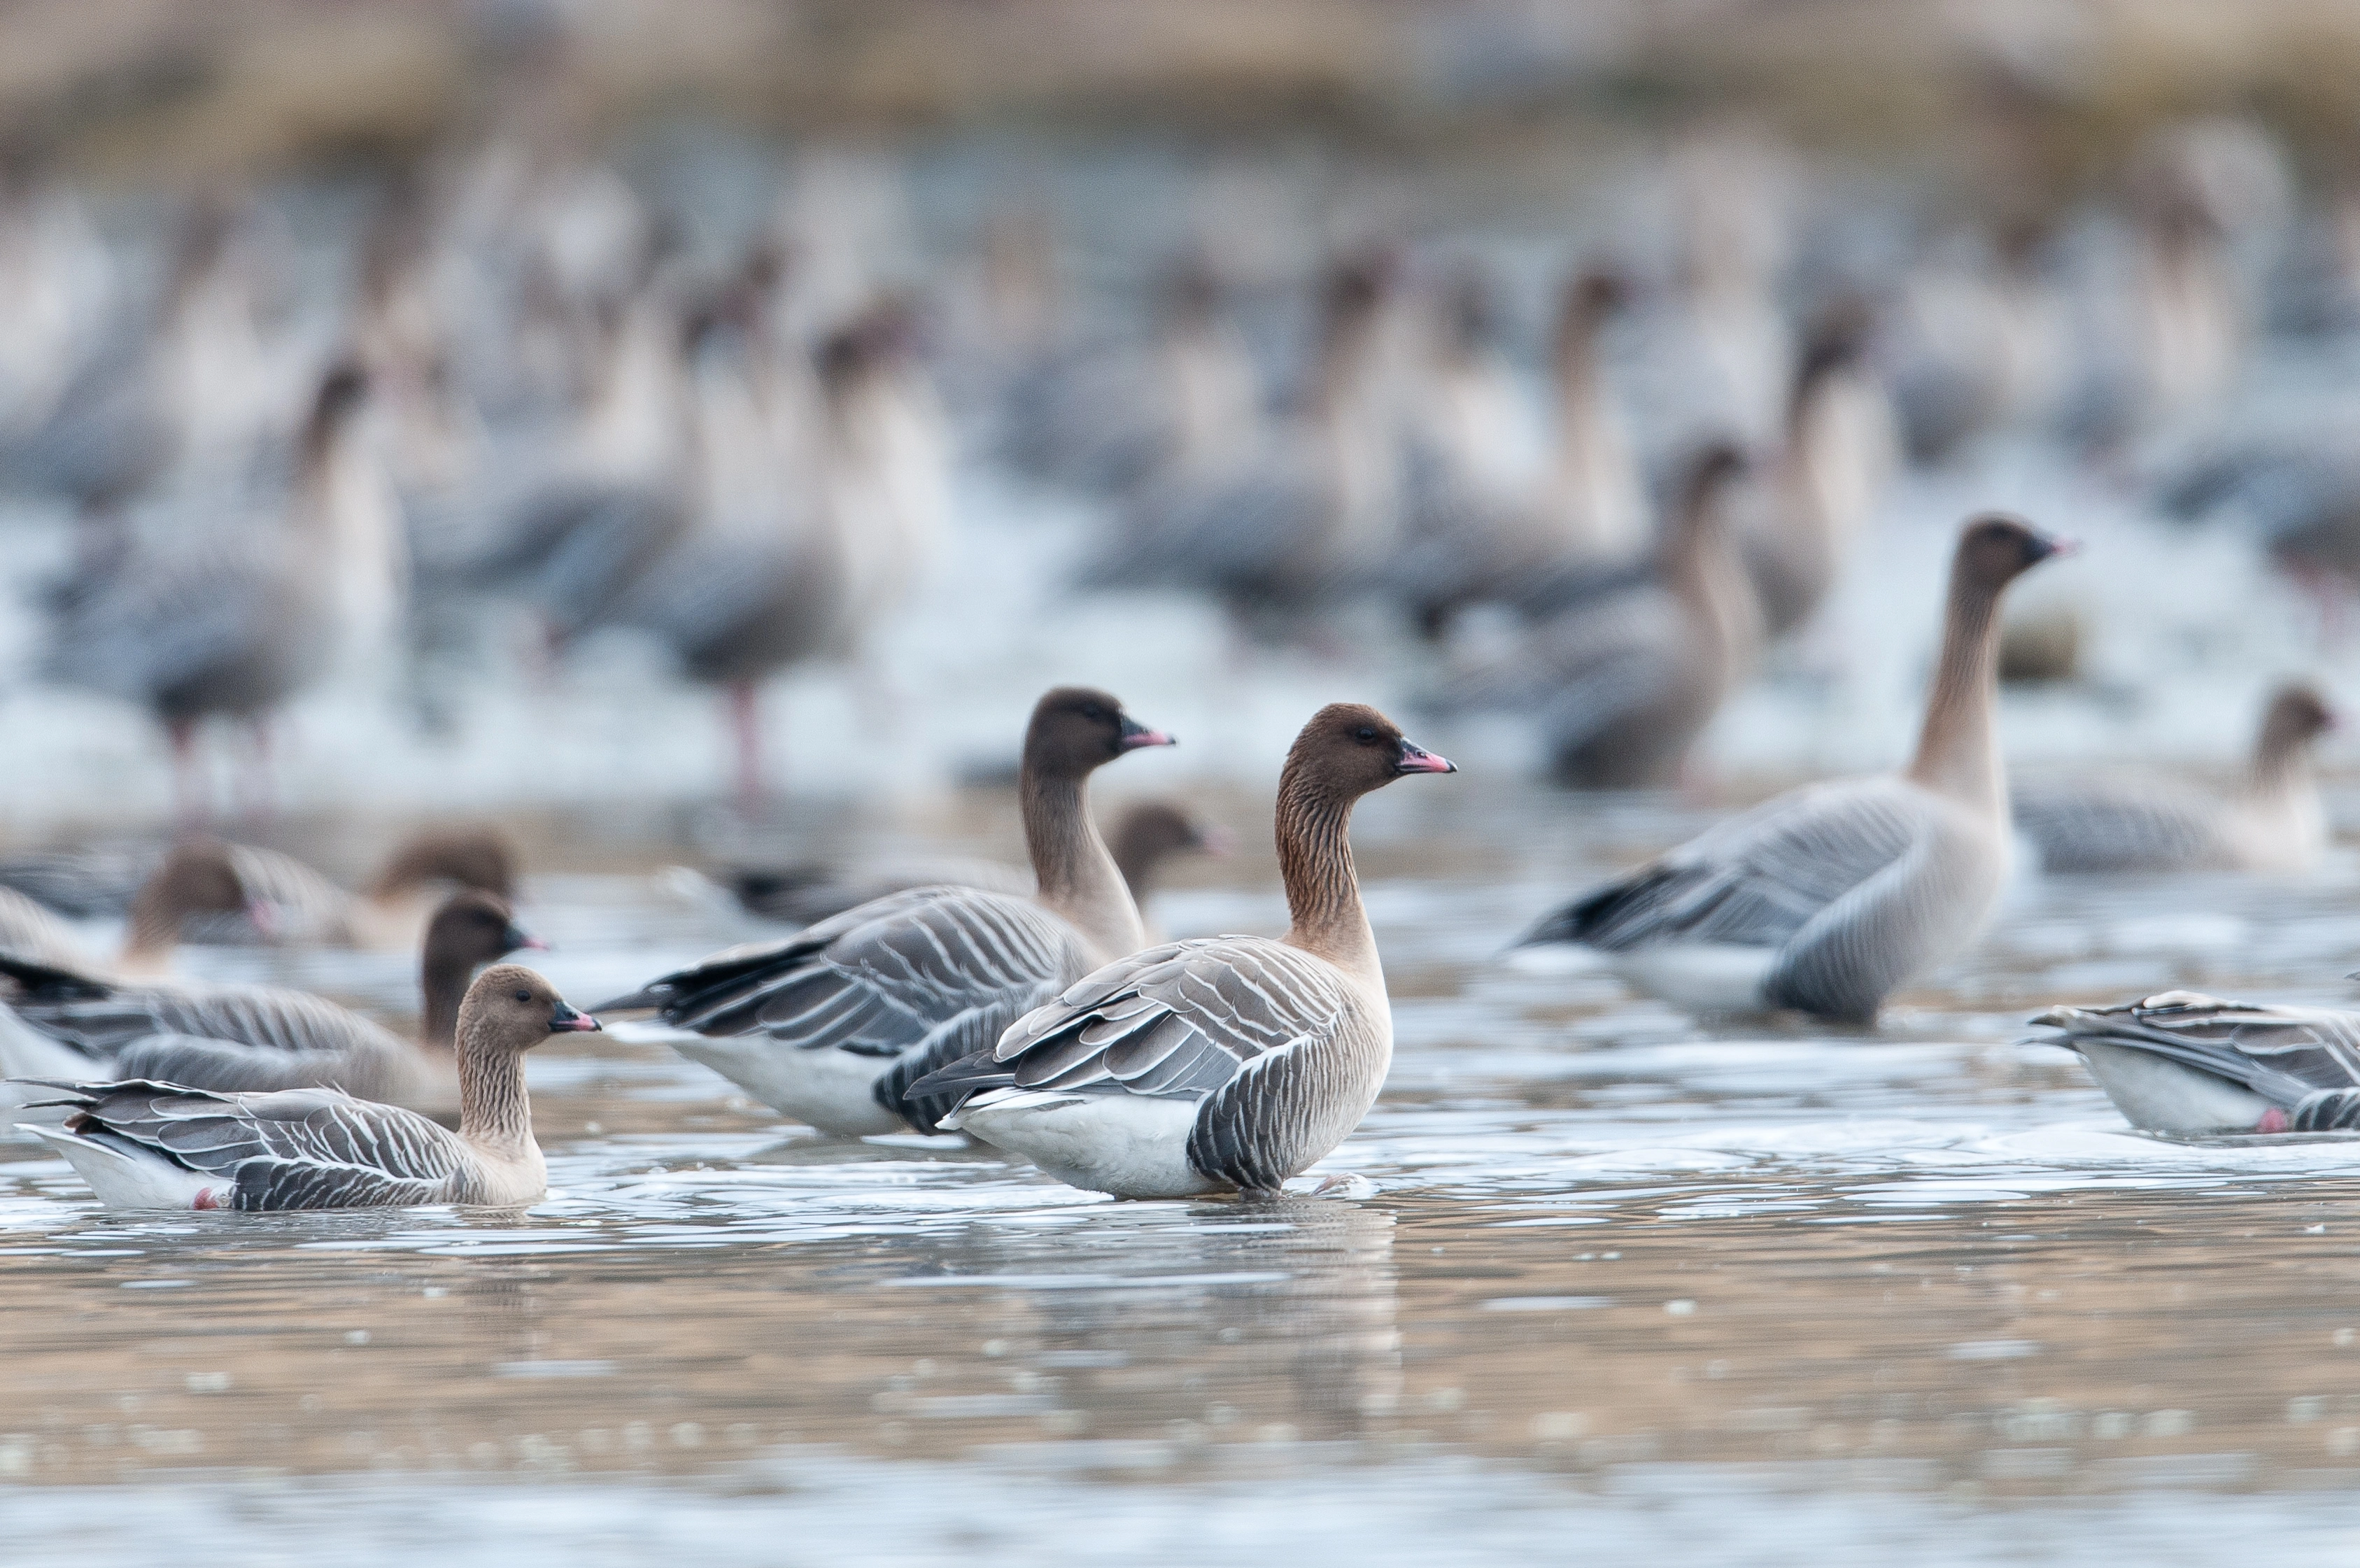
(1108, 419)
(2188, 1065)
(1146, 835)
(802, 539)
(832, 1025)
(2299, 496)
(1311, 508)
(1826, 898)
(196, 880)
(1619, 689)
(70, 1024)
(148, 1144)
(1728, 194)
(1226, 1061)
(1974, 345)
(58, 283)
(2274, 824)
(194, 385)
(1838, 452)
(230, 620)
(1490, 533)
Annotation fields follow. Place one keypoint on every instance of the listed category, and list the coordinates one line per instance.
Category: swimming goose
(1224, 1061)
(298, 906)
(234, 620)
(831, 1025)
(1826, 898)
(2273, 825)
(194, 880)
(254, 1036)
(146, 1144)
(2189, 1064)
(1620, 687)
(1145, 836)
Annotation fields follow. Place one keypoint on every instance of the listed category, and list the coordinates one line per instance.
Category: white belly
(1132, 1146)
(1713, 977)
(2158, 1096)
(830, 1089)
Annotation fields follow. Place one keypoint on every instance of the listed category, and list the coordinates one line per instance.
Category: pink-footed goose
(146, 1144)
(1224, 1061)
(1147, 835)
(1826, 898)
(232, 622)
(2189, 1065)
(2273, 825)
(63, 1023)
(196, 881)
(1571, 531)
(832, 1025)
(1620, 687)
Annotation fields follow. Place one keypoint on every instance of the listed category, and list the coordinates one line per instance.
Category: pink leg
(188, 787)
(745, 721)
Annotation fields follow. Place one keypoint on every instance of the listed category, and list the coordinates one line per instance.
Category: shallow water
(1595, 1271)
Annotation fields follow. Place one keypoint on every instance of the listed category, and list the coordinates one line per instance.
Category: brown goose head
(477, 858)
(1996, 549)
(473, 928)
(1152, 832)
(198, 877)
(510, 1009)
(2296, 716)
(1349, 750)
(1077, 729)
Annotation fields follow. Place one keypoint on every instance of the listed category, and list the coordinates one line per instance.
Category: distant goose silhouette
(232, 622)
(1826, 898)
(144, 1144)
(833, 1024)
(1621, 687)
(2275, 823)
(1224, 1061)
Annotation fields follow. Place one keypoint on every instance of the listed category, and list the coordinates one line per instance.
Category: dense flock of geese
(541, 399)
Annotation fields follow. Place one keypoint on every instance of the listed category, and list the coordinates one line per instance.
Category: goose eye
(524, 996)
(1364, 734)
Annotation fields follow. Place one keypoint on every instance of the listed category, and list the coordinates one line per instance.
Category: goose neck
(1323, 886)
(441, 985)
(1078, 876)
(153, 929)
(494, 1115)
(1958, 744)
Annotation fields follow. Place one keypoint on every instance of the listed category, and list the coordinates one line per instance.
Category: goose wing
(29, 929)
(310, 908)
(165, 621)
(2104, 828)
(102, 1020)
(1757, 879)
(2306, 1058)
(1232, 1019)
(1584, 668)
(877, 980)
(297, 1148)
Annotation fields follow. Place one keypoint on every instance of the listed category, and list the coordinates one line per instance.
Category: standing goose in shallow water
(2274, 824)
(1223, 1061)
(2188, 1064)
(833, 1024)
(145, 1144)
(257, 1036)
(1826, 898)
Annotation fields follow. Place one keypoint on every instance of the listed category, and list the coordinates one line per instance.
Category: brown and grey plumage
(2189, 1064)
(1145, 837)
(1826, 898)
(1226, 1061)
(194, 881)
(149, 1144)
(2272, 823)
(832, 1025)
(256, 1038)
(1620, 687)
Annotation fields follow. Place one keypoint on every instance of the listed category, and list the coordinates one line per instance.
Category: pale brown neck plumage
(2282, 759)
(1958, 745)
(1323, 888)
(154, 928)
(1702, 568)
(493, 1114)
(443, 980)
(1078, 878)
